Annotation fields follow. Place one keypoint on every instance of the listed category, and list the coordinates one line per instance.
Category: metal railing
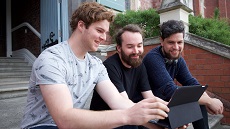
(29, 26)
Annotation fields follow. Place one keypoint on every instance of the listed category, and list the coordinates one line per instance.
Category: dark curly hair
(171, 27)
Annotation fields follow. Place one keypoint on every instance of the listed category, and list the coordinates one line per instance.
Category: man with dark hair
(126, 70)
(165, 63)
(64, 75)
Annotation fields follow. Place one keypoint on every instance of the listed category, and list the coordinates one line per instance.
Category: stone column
(175, 10)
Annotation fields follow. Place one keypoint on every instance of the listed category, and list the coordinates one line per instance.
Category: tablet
(184, 107)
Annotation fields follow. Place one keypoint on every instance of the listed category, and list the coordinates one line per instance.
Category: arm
(151, 107)
(213, 105)
(161, 82)
(147, 94)
(124, 94)
(65, 116)
(106, 88)
(144, 84)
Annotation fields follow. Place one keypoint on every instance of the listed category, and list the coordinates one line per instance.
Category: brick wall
(26, 11)
(224, 7)
(146, 4)
(213, 70)
(210, 5)
(208, 68)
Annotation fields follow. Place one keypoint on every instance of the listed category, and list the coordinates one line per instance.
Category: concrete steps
(214, 122)
(14, 80)
(14, 77)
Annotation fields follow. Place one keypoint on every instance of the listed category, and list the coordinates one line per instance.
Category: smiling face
(173, 46)
(131, 49)
(94, 34)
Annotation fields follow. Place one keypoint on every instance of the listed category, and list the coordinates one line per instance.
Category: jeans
(131, 127)
(202, 123)
(45, 127)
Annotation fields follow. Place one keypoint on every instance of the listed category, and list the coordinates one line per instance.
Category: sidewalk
(11, 111)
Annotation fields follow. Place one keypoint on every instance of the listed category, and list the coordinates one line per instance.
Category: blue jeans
(45, 127)
(130, 127)
(202, 123)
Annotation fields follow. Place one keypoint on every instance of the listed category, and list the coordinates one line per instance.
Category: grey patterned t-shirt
(58, 65)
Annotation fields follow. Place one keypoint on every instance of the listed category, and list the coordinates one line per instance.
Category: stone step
(13, 89)
(213, 121)
(10, 85)
(7, 93)
(15, 70)
(4, 79)
(10, 59)
(17, 67)
(15, 73)
(22, 63)
(220, 126)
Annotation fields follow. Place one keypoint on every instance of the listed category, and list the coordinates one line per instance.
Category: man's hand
(146, 110)
(215, 107)
(183, 127)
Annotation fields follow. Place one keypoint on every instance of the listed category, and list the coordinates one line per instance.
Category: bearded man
(126, 70)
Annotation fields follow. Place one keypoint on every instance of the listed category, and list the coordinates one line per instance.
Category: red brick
(225, 90)
(225, 78)
(227, 61)
(203, 56)
(197, 51)
(189, 57)
(216, 90)
(197, 61)
(212, 78)
(226, 96)
(218, 66)
(227, 84)
(216, 84)
(200, 78)
(215, 56)
(214, 61)
(205, 67)
(226, 72)
(215, 72)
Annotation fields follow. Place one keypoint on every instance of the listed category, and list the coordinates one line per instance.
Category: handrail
(29, 26)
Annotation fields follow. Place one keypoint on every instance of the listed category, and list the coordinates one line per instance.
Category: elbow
(63, 122)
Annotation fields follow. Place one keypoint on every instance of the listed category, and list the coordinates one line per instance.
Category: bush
(214, 29)
(148, 20)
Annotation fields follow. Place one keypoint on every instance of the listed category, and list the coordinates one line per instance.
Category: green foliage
(214, 29)
(216, 13)
(148, 20)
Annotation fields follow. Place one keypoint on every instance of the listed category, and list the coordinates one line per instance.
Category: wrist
(205, 100)
(125, 119)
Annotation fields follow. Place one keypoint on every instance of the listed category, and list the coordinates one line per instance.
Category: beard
(169, 56)
(131, 61)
